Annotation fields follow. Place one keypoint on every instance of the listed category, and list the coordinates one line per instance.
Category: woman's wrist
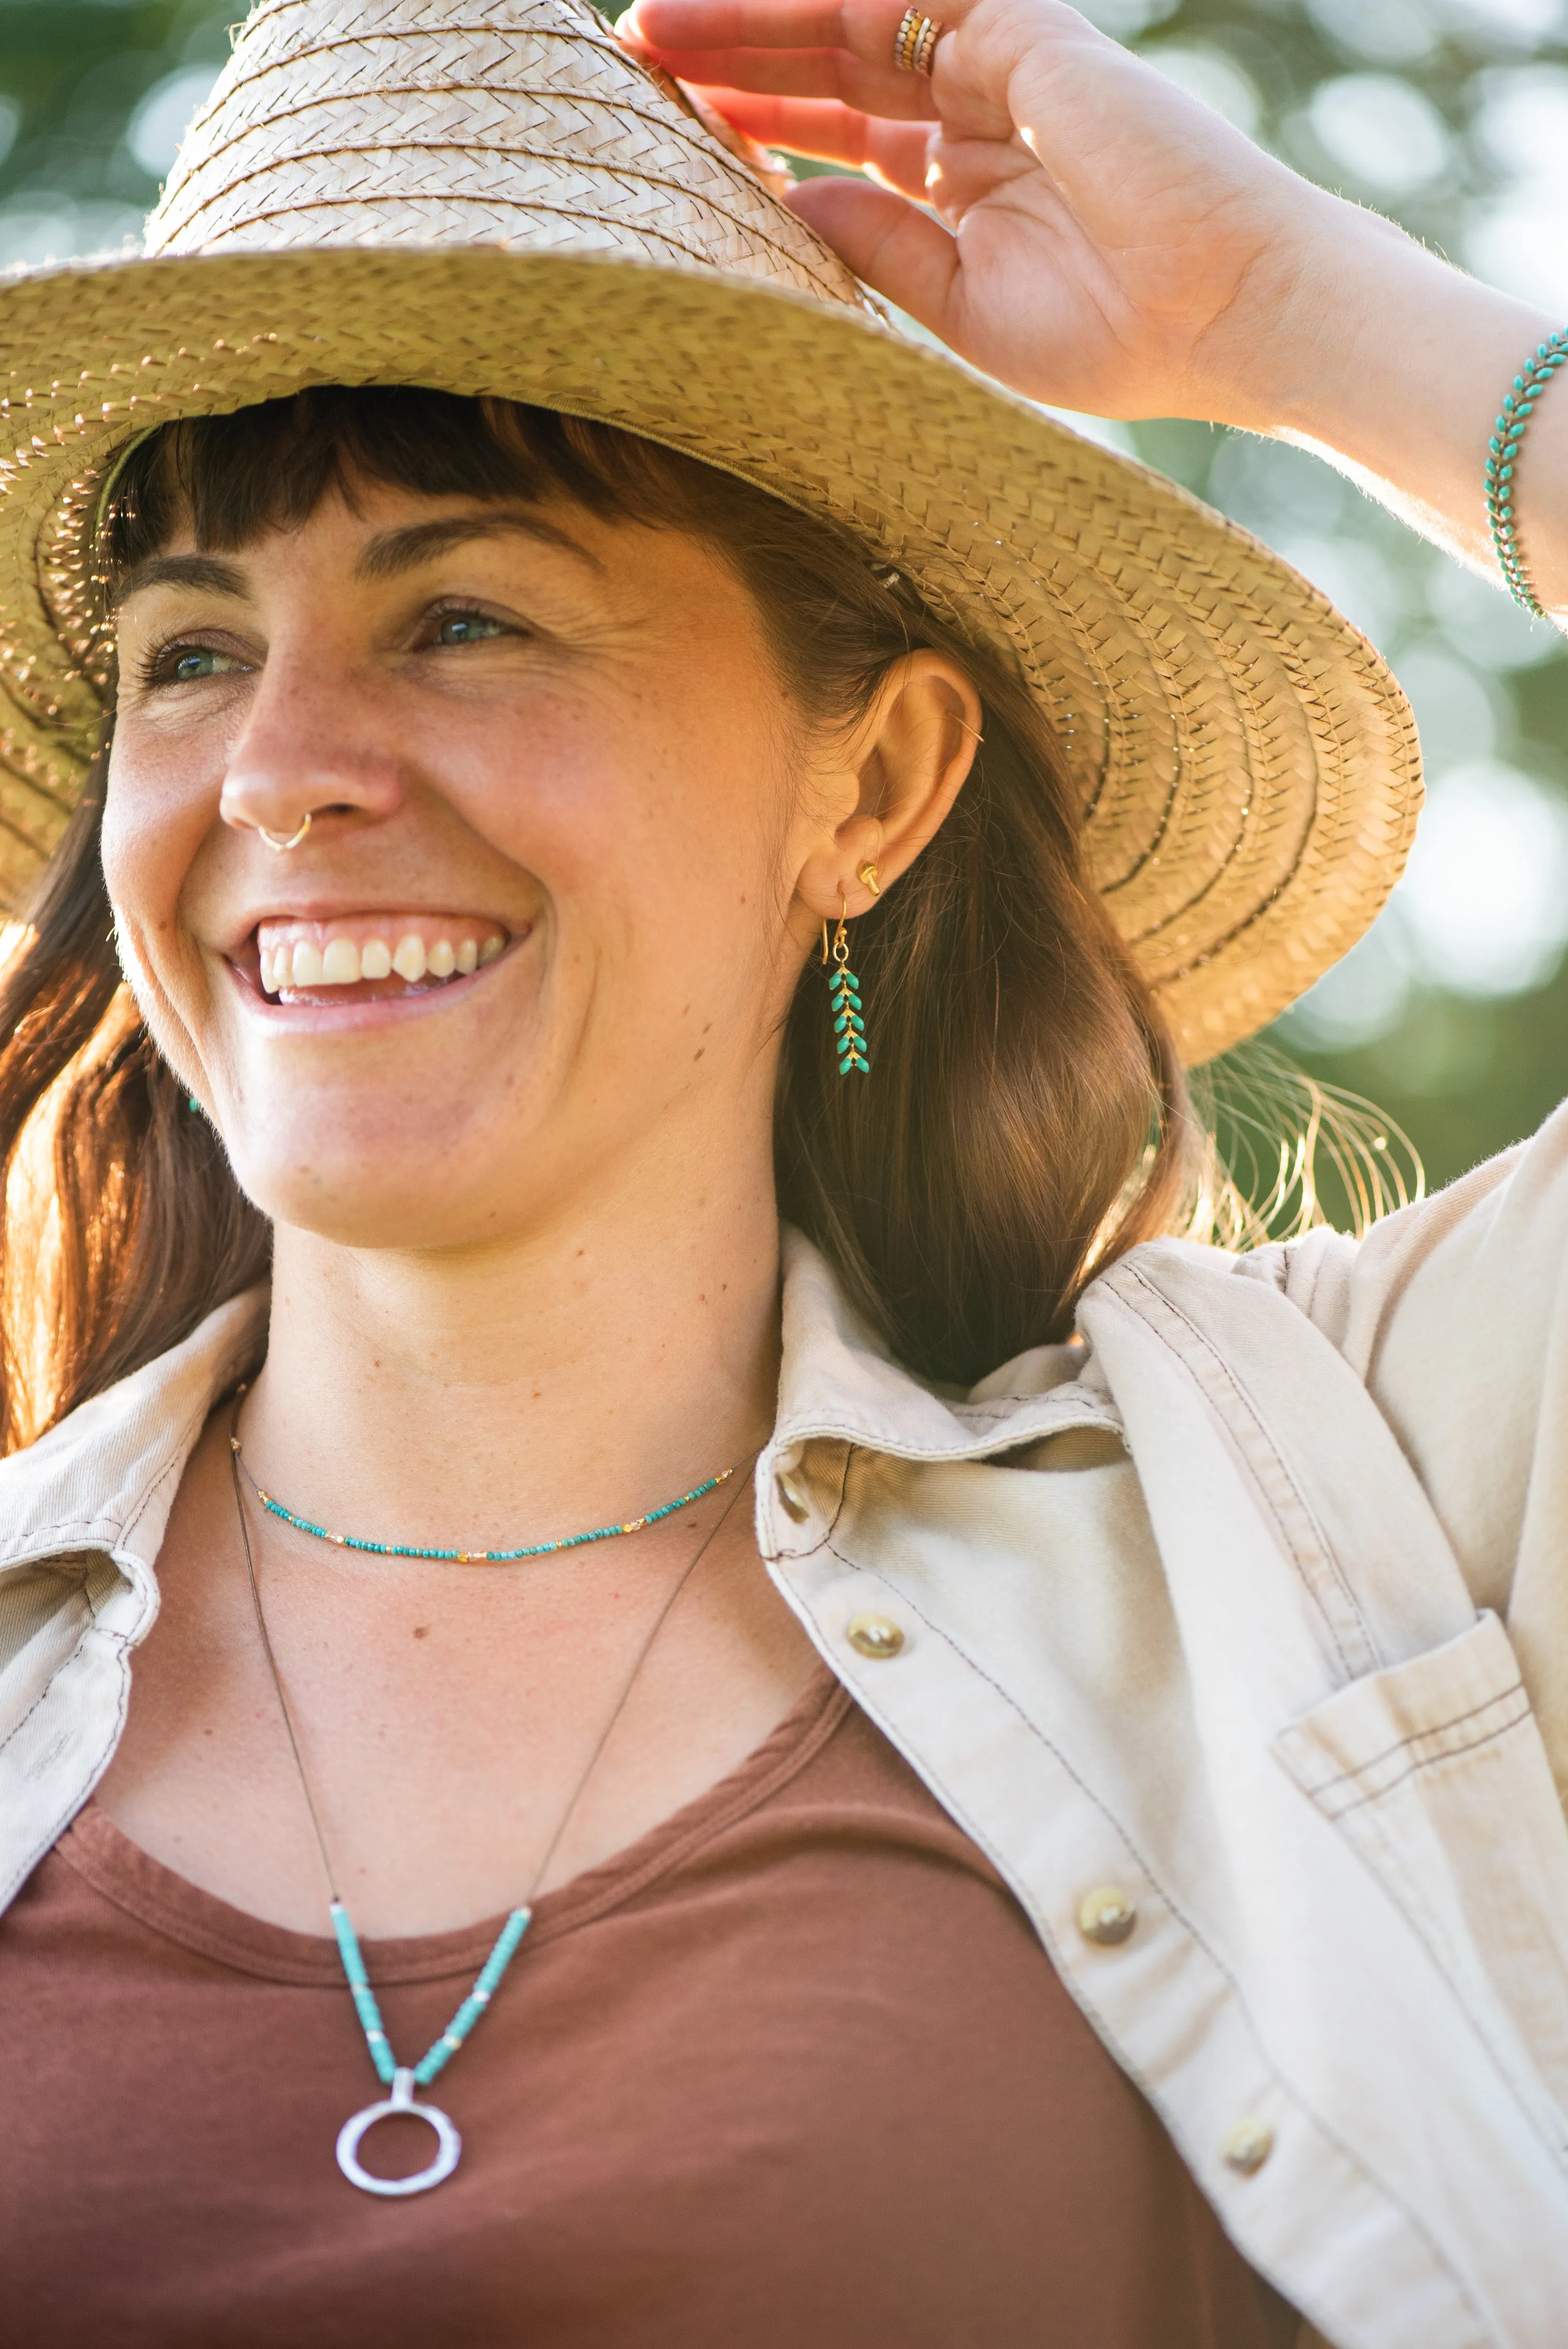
(1372, 350)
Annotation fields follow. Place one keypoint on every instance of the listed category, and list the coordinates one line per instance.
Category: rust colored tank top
(793, 2069)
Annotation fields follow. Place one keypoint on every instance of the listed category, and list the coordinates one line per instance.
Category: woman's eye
(466, 629)
(187, 664)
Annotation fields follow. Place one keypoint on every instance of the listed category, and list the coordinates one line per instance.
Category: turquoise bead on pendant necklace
(403, 2079)
(844, 999)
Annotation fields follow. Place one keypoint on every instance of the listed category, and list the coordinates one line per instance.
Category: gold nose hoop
(281, 847)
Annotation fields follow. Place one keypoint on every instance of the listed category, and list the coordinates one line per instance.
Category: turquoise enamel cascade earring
(844, 989)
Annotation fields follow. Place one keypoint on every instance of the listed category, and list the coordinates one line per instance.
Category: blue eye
(199, 661)
(466, 629)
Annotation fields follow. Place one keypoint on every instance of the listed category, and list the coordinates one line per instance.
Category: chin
(405, 1184)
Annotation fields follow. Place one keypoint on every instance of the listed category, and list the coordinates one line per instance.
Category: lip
(241, 939)
(338, 1018)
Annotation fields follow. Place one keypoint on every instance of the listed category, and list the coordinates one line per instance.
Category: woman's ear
(893, 780)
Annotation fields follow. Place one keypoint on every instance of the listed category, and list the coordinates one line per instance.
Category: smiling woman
(969, 1258)
(668, 1674)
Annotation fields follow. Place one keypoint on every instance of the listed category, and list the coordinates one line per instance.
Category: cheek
(150, 839)
(642, 812)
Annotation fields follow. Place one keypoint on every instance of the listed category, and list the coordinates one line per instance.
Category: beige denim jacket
(1287, 1675)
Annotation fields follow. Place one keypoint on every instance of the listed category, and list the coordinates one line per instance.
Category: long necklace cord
(400, 2079)
(621, 1702)
(271, 1659)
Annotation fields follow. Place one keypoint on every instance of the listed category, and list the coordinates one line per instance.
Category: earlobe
(907, 765)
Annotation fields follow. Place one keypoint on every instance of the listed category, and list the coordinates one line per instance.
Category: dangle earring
(845, 990)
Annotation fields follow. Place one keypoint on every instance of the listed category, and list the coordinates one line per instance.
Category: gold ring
(914, 43)
(281, 846)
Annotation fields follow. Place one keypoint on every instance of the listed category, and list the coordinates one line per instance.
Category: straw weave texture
(493, 198)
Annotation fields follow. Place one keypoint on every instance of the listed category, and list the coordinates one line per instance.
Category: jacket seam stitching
(825, 1540)
(178, 1459)
(1413, 1769)
(865, 1439)
(95, 1772)
(1126, 1270)
(117, 1637)
(1438, 1728)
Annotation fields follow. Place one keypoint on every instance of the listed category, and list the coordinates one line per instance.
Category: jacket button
(876, 1636)
(1248, 2146)
(795, 1503)
(1106, 1915)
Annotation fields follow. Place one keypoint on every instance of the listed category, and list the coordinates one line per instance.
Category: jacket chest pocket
(1435, 1771)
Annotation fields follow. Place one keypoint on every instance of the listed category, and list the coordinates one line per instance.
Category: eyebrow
(395, 551)
(387, 555)
(199, 571)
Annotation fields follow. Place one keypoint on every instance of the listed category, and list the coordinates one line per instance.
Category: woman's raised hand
(1064, 217)
(1102, 241)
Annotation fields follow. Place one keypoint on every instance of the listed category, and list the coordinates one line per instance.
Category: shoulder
(1487, 1243)
(104, 1477)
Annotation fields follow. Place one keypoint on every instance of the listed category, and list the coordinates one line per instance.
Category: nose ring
(295, 841)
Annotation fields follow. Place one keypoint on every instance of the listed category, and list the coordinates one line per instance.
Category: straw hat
(496, 199)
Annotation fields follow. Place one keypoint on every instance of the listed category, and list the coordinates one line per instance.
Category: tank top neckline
(169, 1904)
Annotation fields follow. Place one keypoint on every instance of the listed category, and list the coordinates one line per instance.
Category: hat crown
(521, 123)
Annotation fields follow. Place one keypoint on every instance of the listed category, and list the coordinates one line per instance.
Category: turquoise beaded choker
(475, 1556)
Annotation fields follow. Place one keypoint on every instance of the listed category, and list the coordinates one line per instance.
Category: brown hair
(1025, 1119)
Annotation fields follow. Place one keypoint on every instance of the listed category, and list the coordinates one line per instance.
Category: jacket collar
(839, 1382)
(106, 1478)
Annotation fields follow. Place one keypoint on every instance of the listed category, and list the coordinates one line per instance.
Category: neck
(572, 1375)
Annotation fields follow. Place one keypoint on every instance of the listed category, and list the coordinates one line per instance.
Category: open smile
(369, 958)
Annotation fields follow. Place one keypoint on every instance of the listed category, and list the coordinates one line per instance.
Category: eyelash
(438, 613)
(153, 669)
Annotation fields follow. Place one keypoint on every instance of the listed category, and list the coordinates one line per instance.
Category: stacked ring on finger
(914, 43)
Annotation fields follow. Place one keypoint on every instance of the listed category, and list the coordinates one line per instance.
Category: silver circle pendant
(449, 2144)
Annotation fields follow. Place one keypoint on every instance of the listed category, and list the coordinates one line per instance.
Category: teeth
(343, 962)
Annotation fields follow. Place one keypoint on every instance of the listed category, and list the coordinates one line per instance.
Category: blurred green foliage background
(1451, 116)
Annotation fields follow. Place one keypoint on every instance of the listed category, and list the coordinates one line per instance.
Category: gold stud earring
(867, 876)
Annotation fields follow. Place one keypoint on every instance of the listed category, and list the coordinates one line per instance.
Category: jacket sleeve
(1455, 1313)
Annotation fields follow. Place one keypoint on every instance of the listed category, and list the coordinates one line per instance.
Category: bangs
(232, 480)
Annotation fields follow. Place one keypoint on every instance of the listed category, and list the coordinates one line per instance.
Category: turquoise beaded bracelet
(1502, 456)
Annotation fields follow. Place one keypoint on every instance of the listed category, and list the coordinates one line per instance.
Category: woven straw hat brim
(1247, 767)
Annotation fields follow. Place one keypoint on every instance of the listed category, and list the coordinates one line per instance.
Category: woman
(909, 1824)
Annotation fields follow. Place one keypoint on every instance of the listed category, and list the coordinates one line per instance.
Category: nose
(311, 750)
